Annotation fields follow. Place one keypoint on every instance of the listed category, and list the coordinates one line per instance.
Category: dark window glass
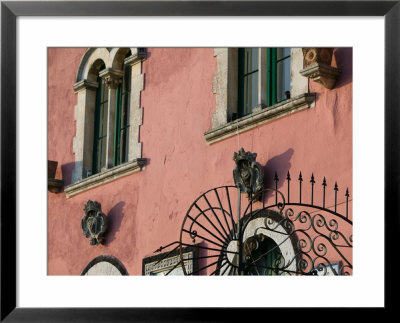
(283, 74)
(278, 75)
(265, 260)
(248, 80)
(122, 111)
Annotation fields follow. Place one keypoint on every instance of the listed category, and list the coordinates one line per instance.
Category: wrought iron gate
(267, 233)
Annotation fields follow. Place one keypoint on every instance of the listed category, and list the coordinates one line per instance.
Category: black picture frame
(10, 10)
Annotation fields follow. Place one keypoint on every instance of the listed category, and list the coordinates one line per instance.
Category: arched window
(108, 115)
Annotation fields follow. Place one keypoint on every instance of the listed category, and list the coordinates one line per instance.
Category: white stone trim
(262, 77)
(225, 85)
(164, 266)
(83, 140)
(110, 56)
(103, 268)
(298, 83)
(105, 177)
(99, 54)
(323, 74)
(261, 116)
(136, 111)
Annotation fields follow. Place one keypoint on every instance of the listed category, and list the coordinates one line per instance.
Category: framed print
(225, 150)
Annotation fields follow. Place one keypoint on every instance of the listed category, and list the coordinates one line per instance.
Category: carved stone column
(54, 185)
(262, 77)
(317, 66)
(112, 79)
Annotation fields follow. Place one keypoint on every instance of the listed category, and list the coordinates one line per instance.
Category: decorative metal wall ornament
(291, 234)
(248, 174)
(94, 223)
(252, 244)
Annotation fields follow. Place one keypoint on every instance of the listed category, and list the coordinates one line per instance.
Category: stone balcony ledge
(105, 176)
(260, 116)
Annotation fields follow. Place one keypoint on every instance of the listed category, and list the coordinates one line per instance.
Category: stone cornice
(85, 84)
(54, 185)
(105, 176)
(135, 58)
(323, 74)
(261, 116)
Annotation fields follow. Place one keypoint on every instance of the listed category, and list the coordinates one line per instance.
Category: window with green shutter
(278, 75)
(277, 85)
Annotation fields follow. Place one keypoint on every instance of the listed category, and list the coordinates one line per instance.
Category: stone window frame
(85, 87)
(225, 88)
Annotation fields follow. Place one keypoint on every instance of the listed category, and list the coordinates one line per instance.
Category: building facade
(140, 134)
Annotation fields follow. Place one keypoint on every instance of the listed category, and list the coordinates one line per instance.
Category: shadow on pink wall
(279, 164)
(66, 170)
(344, 60)
(115, 217)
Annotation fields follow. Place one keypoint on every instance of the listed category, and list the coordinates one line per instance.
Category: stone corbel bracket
(54, 185)
(112, 77)
(317, 66)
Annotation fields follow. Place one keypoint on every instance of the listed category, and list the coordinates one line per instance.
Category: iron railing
(270, 235)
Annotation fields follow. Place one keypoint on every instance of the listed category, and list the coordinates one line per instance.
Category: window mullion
(269, 77)
(273, 75)
(241, 62)
(117, 126)
(262, 77)
(111, 107)
(96, 126)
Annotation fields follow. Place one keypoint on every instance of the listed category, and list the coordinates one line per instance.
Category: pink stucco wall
(146, 208)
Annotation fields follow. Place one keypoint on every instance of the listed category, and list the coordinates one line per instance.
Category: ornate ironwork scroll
(94, 223)
(277, 234)
(248, 174)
